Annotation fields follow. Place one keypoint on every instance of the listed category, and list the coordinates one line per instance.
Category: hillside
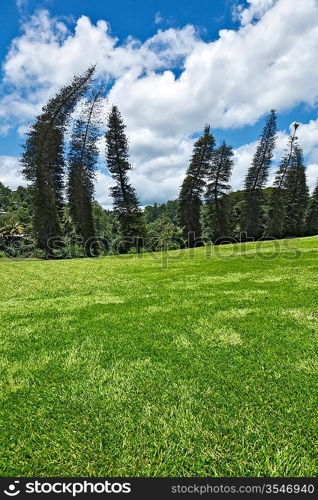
(167, 365)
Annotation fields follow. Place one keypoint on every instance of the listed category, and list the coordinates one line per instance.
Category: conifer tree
(190, 197)
(297, 195)
(43, 158)
(256, 178)
(277, 209)
(218, 187)
(82, 159)
(312, 216)
(126, 203)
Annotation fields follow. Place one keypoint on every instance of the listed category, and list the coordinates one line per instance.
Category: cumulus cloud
(308, 137)
(233, 81)
(160, 164)
(10, 174)
(256, 9)
(49, 54)
(268, 62)
(242, 159)
(103, 183)
(312, 175)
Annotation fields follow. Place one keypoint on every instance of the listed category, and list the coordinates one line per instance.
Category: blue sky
(127, 17)
(171, 67)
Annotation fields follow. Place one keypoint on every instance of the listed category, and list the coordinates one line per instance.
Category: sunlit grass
(177, 365)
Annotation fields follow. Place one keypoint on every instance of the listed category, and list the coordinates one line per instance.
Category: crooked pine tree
(43, 159)
(312, 216)
(256, 178)
(126, 203)
(190, 196)
(297, 196)
(218, 187)
(277, 210)
(82, 158)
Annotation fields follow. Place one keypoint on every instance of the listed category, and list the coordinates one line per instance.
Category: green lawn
(194, 366)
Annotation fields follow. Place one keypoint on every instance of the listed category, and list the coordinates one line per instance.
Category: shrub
(38, 253)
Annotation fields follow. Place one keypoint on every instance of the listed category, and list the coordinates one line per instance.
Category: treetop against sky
(170, 67)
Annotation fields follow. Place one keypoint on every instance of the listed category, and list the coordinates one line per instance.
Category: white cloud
(10, 172)
(158, 18)
(47, 54)
(308, 137)
(4, 129)
(269, 62)
(255, 11)
(242, 159)
(159, 165)
(102, 185)
(233, 81)
(312, 175)
(21, 3)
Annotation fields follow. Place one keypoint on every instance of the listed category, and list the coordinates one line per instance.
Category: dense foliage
(58, 217)
(15, 221)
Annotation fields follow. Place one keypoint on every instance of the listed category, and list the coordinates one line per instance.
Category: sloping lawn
(180, 366)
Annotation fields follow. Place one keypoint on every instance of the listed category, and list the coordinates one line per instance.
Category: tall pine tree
(312, 216)
(126, 203)
(43, 159)
(277, 209)
(190, 197)
(218, 187)
(297, 195)
(256, 178)
(82, 159)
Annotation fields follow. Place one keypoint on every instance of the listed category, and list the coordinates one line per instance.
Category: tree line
(205, 192)
(60, 160)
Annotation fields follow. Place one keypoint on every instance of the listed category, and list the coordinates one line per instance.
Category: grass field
(194, 366)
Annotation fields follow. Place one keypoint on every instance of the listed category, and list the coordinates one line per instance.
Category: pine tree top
(257, 174)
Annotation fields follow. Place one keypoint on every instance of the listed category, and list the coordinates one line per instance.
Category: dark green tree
(312, 216)
(297, 195)
(126, 203)
(256, 178)
(218, 187)
(43, 159)
(190, 196)
(82, 158)
(277, 209)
